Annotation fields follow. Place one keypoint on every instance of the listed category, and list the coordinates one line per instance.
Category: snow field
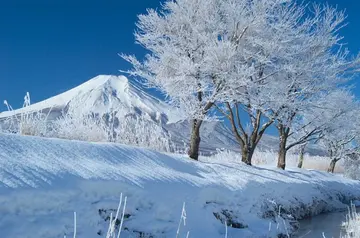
(43, 181)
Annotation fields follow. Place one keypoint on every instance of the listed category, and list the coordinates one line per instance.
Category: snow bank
(43, 181)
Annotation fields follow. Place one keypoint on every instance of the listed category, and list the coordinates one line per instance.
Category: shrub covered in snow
(352, 167)
(131, 130)
(142, 132)
(78, 125)
(84, 125)
(26, 122)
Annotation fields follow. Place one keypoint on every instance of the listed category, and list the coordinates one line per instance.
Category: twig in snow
(122, 218)
(182, 218)
(74, 224)
(307, 233)
(112, 226)
(226, 229)
(108, 234)
(117, 214)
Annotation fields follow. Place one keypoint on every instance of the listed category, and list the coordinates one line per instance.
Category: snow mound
(43, 181)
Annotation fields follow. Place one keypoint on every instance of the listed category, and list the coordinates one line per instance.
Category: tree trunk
(284, 133)
(246, 154)
(301, 158)
(281, 156)
(331, 168)
(195, 140)
(247, 141)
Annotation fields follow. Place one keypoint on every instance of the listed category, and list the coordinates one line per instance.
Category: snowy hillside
(43, 181)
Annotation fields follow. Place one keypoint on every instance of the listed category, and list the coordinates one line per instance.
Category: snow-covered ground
(43, 181)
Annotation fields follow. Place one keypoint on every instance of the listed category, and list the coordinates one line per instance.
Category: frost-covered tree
(321, 67)
(341, 135)
(295, 59)
(267, 49)
(301, 150)
(78, 124)
(352, 166)
(267, 57)
(24, 121)
(197, 55)
(340, 147)
(136, 130)
(324, 114)
(143, 132)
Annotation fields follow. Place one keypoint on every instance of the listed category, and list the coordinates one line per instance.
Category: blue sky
(48, 47)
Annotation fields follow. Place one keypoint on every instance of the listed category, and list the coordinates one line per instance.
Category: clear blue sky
(47, 47)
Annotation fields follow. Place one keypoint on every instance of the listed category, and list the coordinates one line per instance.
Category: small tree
(340, 137)
(301, 155)
(352, 166)
(78, 124)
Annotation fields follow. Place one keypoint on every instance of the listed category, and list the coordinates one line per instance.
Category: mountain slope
(98, 95)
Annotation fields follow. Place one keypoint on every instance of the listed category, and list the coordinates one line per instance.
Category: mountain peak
(107, 80)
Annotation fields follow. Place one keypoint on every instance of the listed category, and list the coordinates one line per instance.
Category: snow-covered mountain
(98, 95)
(103, 92)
